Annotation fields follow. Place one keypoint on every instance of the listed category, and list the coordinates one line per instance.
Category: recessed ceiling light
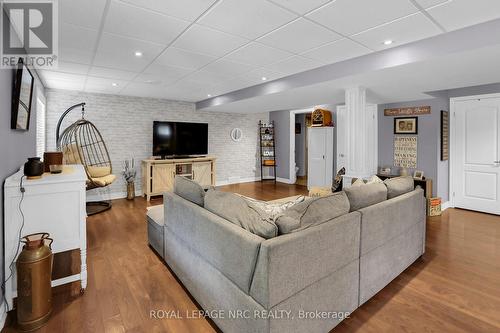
(138, 53)
(208, 95)
(388, 42)
(264, 78)
(114, 84)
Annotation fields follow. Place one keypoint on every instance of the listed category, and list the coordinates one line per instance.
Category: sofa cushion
(241, 212)
(399, 185)
(189, 190)
(366, 195)
(155, 214)
(312, 212)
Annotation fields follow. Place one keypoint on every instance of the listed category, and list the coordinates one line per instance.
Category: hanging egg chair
(82, 143)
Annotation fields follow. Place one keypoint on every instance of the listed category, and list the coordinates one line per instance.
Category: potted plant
(129, 174)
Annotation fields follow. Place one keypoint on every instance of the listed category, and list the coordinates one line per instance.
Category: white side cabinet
(53, 204)
(320, 156)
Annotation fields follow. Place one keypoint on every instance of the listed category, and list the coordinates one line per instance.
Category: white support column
(360, 135)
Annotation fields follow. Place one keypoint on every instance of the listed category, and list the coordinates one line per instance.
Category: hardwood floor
(455, 287)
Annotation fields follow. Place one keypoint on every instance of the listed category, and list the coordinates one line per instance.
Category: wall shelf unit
(267, 150)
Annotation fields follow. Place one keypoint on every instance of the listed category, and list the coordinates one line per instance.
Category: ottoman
(155, 220)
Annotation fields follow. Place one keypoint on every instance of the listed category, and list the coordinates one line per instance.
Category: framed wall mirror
(22, 94)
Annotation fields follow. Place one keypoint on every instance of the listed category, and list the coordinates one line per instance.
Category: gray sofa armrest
(289, 263)
(227, 247)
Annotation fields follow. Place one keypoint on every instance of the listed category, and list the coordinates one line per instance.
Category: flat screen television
(175, 139)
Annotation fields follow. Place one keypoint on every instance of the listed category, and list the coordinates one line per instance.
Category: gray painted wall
(300, 144)
(429, 127)
(15, 146)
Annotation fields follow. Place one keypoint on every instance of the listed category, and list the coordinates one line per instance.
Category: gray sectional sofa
(302, 281)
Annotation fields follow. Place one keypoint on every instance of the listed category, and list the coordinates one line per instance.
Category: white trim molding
(445, 206)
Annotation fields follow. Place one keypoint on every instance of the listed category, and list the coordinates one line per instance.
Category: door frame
(453, 139)
(293, 178)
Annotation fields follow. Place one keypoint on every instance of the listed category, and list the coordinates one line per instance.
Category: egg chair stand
(82, 143)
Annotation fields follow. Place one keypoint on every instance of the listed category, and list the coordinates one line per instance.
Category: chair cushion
(189, 190)
(366, 195)
(241, 212)
(311, 212)
(104, 181)
(398, 186)
(98, 171)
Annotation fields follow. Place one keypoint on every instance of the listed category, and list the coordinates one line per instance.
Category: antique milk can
(34, 272)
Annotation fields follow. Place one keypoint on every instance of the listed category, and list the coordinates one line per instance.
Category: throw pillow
(337, 182)
(358, 182)
(398, 186)
(189, 190)
(312, 212)
(241, 212)
(274, 209)
(318, 191)
(366, 195)
(374, 179)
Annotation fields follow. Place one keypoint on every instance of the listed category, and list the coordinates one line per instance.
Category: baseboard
(445, 205)
(284, 180)
(111, 195)
(240, 180)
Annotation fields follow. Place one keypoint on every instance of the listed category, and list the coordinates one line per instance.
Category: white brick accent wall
(126, 124)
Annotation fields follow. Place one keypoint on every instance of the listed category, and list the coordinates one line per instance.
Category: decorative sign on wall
(445, 134)
(405, 151)
(418, 110)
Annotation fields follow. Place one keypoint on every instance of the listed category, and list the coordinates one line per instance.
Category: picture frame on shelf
(386, 171)
(406, 125)
(418, 175)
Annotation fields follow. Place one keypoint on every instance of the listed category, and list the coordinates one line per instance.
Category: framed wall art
(406, 125)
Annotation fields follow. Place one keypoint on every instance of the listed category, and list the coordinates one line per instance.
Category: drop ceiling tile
(87, 13)
(406, 30)
(187, 91)
(256, 76)
(65, 85)
(249, 19)
(102, 85)
(60, 76)
(184, 59)
(143, 24)
(76, 44)
(117, 52)
(294, 65)
(111, 73)
(206, 78)
(337, 51)
(189, 9)
(300, 6)
(462, 13)
(352, 16)
(257, 54)
(164, 74)
(73, 68)
(299, 36)
(205, 40)
(430, 3)
(228, 68)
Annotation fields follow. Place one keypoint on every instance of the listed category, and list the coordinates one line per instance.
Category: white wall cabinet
(320, 156)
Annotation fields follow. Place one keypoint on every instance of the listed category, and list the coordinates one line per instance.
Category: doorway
(302, 122)
(475, 153)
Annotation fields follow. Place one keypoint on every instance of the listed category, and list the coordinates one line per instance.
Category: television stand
(158, 175)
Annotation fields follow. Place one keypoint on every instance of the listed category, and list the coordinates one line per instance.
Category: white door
(341, 138)
(476, 154)
(320, 156)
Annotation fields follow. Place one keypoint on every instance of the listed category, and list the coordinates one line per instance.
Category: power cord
(22, 189)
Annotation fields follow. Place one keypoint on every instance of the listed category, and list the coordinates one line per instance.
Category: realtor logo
(29, 31)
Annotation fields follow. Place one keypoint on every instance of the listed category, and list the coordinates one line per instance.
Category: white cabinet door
(320, 156)
(476, 154)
